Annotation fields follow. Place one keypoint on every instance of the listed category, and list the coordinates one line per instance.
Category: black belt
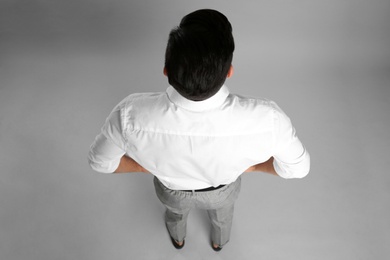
(206, 189)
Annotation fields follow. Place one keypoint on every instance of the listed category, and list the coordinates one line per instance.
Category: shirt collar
(215, 101)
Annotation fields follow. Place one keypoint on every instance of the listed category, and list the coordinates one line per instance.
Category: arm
(107, 153)
(291, 159)
(127, 164)
(267, 167)
(106, 157)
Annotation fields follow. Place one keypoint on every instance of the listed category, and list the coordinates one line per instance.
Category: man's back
(197, 144)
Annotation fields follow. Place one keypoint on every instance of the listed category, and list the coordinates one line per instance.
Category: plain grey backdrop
(65, 64)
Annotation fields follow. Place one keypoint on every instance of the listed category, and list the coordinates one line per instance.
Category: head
(199, 54)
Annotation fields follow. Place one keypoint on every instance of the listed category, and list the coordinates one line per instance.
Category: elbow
(293, 171)
(298, 174)
(96, 167)
(304, 169)
(100, 167)
(301, 174)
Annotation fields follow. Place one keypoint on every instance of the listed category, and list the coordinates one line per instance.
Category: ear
(230, 72)
(165, 71)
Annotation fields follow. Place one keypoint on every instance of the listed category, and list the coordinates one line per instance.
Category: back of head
(199, 54)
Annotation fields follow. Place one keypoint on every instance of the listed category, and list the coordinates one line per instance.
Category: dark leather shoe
(176, 245)
(216, 249)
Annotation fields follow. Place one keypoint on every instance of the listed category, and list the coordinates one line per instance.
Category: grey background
(65, 64)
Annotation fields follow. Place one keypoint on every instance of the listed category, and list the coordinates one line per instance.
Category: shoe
(176, 245)
(216, 249)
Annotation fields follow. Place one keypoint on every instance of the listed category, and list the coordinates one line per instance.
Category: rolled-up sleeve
(291, 158)
(109, 146)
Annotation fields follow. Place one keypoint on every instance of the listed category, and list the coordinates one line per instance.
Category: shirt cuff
(103, 167)
(293, 170)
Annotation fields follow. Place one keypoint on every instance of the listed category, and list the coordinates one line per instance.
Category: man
(197, 138)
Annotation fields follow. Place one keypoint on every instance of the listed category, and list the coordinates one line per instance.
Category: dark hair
(199, 54)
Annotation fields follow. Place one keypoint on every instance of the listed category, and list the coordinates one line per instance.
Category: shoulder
(258, 107)
(139, 100)
(131, 104)
(250, 102)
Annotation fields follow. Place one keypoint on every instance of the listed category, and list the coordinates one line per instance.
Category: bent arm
(106, 157)
(107, 153)
(298, 167)
(294, 162)
(290, 158)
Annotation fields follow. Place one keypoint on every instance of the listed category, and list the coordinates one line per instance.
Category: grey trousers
(218, 203)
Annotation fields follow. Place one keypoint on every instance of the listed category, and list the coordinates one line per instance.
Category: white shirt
(197, 144)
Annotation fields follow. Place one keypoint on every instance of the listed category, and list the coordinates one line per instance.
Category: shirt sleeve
(109, 146)
(291, 159)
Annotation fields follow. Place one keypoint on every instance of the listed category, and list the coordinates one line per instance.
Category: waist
(206, 189)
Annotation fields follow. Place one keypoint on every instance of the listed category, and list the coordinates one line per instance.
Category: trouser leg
(221, 223)
(176, 222)
(178, 205)
(220, 210)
